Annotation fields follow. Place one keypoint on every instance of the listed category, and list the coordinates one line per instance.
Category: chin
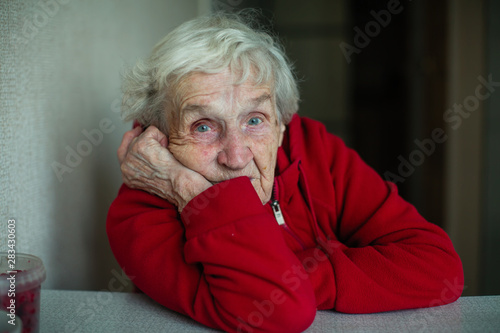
(213, 182)
(264, 197)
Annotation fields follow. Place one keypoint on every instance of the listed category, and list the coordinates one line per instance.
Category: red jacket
(349, 243)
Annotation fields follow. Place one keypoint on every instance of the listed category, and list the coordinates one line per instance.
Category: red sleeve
(224, 262)
(382, 254)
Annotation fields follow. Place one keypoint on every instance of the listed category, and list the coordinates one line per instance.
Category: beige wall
(60, 63)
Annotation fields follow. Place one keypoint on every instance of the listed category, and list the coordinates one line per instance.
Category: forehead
(206, 87)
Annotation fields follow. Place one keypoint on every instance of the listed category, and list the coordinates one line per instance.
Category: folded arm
(382, 254)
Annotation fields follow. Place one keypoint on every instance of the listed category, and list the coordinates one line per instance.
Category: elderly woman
(245, 216)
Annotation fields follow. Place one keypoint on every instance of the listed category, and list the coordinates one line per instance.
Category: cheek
(195, 157)
(265, 152)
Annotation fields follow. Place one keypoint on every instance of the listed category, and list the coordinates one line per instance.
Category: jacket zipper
(277, 212)
(278, 215)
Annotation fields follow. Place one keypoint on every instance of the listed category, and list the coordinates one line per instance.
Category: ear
(282, 133)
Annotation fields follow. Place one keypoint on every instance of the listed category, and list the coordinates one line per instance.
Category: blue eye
(254, 121)
(202, 128)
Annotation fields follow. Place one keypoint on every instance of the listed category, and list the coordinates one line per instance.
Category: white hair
(209, 45)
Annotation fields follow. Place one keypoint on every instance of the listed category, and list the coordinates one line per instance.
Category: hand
(148, 165)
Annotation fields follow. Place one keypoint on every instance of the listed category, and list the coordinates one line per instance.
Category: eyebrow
(259, 100)
(195, 107)
(253, 102)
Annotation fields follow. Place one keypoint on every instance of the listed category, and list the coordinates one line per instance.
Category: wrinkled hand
(148, 165)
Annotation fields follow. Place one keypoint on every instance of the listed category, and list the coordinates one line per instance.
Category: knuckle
(150, 129)
(125, 170)
(141, 147)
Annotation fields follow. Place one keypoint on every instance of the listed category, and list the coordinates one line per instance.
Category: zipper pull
(277, 212)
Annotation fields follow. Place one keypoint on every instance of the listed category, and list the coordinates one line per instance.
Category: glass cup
(20, 292)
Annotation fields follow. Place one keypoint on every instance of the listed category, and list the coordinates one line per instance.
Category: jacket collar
(287, 176)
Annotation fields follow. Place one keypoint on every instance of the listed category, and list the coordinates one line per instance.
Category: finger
(154, 133)
(164, 142)
(127, 139)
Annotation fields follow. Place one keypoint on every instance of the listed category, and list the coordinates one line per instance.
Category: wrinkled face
(223, 131)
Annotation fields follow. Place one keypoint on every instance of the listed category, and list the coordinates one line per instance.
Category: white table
(89, 311)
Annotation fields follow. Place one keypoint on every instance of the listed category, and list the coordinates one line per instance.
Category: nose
(235, 153)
